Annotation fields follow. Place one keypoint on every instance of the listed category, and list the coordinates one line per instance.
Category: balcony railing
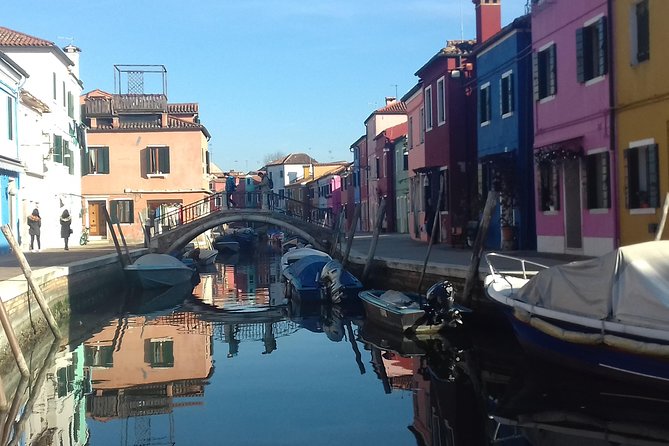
(139, 103)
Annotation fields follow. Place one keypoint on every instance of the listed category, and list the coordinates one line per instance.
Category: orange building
(144, 157)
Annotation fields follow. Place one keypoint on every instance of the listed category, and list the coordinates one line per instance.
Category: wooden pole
(27, 272)
(336, 236)
(665, 209)
(477, 249)
(375, 240)
(351, 234)
(113, 234)
(433, 233)
(125, 245)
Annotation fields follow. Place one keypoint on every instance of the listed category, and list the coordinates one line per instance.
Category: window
(549, 187)
(159, 352)
(410, 132)
(121, 211)
(378, 168)
(157, 160)
(64, 95)
(98, 160)
(642, 177)
(506, 94)
(484, 104)
(422, 125)
(591, 51)
(441, 101)
(544, 73)
(405, 160)
(68, 159)
(57, 149)
(55, 87)
(640, 32)
(10, 119)
(70, 104)
(428, 108)
(597, 174)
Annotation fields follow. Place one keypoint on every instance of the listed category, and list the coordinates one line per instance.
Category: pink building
(575, 204)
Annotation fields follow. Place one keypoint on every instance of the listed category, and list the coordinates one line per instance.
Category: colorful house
(416, 159)
(504, 135)
(384, 170)
(359, 149)
(575, 199)
(642, 114)
(400, 178)
(145, 157)
(392, 114)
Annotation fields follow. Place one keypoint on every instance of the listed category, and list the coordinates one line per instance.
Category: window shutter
(57, 149)
(103, 160)
(147, 158)
(580, 74)
(71, 162)
(632, 180)
(535, 75)
(603, 46)
(653, 174)
(85, 162)
(509, 86)
(552, 70)
(164, 159)
(131, 211)
(66, 153)
(113, 213)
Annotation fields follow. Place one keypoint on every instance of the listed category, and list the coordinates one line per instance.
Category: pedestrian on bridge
(230, 188)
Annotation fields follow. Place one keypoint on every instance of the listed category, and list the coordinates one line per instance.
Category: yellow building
(641, 64)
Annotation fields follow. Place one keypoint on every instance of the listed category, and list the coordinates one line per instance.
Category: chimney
(73, 54)
(488, 19)
(390, 100)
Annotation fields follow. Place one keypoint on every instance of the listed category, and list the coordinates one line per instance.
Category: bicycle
(83, 240)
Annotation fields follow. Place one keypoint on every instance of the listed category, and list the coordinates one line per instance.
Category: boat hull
(385, 314)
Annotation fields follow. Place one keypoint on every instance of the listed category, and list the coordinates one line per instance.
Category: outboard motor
(441, 306)
(331, 279)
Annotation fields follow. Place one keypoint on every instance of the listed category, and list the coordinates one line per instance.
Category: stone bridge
(177, 237)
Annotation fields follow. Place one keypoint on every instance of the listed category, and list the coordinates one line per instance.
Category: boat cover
(157, 261)
(628, 285)
(308, 270)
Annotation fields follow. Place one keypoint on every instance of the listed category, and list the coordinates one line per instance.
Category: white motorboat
(159, 270)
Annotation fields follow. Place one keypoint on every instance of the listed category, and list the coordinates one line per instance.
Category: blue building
(11, 78)
(505, 134)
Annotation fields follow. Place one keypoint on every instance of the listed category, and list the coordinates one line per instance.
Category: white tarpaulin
(629, 285)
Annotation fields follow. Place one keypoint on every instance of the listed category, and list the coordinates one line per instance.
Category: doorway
(572, 204)
(96, 219)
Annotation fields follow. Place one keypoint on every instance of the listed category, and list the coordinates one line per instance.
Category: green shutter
(552, 70)
(535, 75)
(85, 161)
(603, 47)
(71, 162)
(164, 159)
(131, 211)
(103, 160)
(113, 206)
(580, 71)
(57, 149)
(653, 176)
(147, 160)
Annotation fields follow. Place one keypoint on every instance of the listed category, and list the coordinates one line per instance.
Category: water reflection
(170, 364)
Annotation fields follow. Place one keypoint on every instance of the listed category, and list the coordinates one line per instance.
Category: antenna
(70, 40)
(394, 85)
(462, 24)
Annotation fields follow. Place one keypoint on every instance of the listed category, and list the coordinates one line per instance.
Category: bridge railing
(217, 202)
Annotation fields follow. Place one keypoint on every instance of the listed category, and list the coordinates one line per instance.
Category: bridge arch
(177, 238)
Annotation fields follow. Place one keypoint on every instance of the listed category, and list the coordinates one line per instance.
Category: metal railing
(217, 202)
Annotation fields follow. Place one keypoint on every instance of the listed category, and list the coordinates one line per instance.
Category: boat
(160, 270)
(608, 315)
(226, 245)
(338, 283)
(302, 278)
(202, 257)
(296, 254)
(413, 312)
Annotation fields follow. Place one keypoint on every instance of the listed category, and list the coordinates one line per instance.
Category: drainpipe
(615, 202)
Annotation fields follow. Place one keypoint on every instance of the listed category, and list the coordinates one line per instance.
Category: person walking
(230, 188)
(34, 229)
(65, 230)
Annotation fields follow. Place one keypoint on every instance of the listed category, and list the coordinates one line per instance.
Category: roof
(453, 48)
(9, 37)
(293, 158)
(416, 88)
(16, 67)
(183, 108)
(394, 108)
(396, 131)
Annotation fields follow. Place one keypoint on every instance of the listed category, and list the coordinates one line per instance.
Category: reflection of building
(139, 367)
(59, 415)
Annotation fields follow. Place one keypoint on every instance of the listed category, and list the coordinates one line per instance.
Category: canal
(233, 362)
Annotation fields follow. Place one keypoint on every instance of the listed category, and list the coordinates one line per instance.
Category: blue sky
(269, 75)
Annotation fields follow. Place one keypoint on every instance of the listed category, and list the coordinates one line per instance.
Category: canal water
(234, 363)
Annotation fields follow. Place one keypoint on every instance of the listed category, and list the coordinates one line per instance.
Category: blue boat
(303, 278)
(607, 315)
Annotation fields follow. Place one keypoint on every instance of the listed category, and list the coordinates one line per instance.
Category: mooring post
(433, 234)
(336, 235)
(351, 234)
(375, 239)
(113, 234)
(477, 249)
(665, 209)
(27, 272)
(125, 245)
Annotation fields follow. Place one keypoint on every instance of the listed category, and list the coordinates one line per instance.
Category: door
(96, 219)
(572, 204)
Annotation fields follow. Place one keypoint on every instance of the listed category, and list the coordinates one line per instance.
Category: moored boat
(296, 254)
(413, 312)
(159, 270)
(609, 315)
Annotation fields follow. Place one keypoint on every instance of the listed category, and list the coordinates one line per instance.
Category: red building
(384, 170)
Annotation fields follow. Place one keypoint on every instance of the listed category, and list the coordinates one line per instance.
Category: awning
(11, 164)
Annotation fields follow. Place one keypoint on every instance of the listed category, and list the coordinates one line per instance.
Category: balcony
(139, 103)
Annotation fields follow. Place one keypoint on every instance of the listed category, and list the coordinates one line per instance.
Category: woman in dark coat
(34, 225)
(65, 231)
